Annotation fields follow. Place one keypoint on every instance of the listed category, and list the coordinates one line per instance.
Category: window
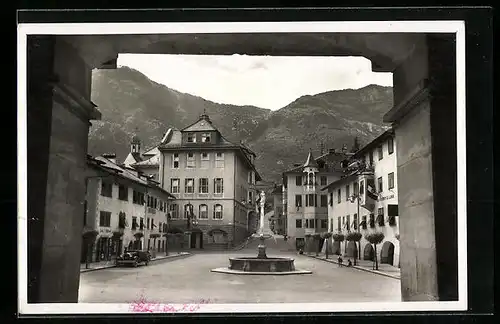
(190, 161)
(390, 145)
(372, 220)
(298, 180)
(205, 138)
(355, 222)
(250, 197)
(219, 185)
(298, 200)
(191, 138)
(380, 152)
(361, 188)
(106, 189)
(189, 186)
(219, 160)
(205, 160)
(339, 226)
(174, 186)
(380, 217)
(391, 180)
(298, 223)
(134, 223)
(105, 219)
(355, 188)
(203, 211)
(155, 203)
(148, 224)
(363, 222)
(174, 211)
(323, 180)
(138, 197)
(324, 223)
(331, 198)
(311, 200)
(348, 222)
(188, 210)
(339, 196)
(175, 160)
(141, 224)
(324, 200)
(203, 188)
(347, 192)
(122, 192)
(370, 158)
(380, 185)
(218, 211)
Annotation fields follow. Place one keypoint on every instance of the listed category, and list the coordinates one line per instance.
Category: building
(123, 210)
(305, 207)
(213, 181)
(278, 220)
(147, 162)
(368, 189)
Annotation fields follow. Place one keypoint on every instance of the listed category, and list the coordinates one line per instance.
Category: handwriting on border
(143, 306)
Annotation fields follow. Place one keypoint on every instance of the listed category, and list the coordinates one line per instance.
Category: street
(188, 280)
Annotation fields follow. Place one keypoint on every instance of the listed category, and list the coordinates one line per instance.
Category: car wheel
(147, 261)
(135, 263)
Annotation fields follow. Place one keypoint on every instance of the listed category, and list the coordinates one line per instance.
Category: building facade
(213, 181)
(278, 219)
(365, 199)
(306, 206)
(123, 210)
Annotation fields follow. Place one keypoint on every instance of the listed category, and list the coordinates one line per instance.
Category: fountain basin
(255, 264)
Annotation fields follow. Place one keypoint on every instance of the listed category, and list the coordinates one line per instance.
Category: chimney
(110, 156)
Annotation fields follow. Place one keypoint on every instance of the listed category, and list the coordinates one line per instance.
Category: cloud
(264, 81)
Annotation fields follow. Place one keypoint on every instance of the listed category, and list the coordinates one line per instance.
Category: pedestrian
(340, 261)
(349, 263)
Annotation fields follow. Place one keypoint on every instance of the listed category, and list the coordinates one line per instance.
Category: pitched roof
(333, 159)
(108, 165)
(310, 162)
(202, 124)
(152, 161)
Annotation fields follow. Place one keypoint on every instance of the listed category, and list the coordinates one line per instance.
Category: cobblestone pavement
(190, 279)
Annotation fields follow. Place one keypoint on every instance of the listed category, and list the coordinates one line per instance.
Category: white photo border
(456, 27)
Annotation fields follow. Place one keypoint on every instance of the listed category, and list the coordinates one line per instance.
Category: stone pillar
(59, 111)
(424, 119)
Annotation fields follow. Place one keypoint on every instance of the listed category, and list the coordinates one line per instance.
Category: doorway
(196, 239)
(387, 254)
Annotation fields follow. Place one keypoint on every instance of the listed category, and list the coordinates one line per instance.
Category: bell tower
(310, 171)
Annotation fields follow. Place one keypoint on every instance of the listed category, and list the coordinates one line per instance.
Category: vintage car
(133, 258)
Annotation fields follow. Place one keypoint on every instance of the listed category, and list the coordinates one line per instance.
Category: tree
(326, 236)
(338, 237)
(354, 237)
(375, 238)
(355, 145)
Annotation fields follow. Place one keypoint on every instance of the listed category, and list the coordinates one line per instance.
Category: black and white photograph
(243, 167)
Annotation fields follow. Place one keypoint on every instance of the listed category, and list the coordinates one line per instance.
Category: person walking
(340, 261)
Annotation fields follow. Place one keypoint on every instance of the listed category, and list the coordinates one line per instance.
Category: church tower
(135, 145)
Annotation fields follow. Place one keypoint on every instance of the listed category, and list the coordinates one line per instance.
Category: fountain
(261, 264)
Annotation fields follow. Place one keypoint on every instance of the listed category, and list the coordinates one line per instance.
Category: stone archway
(352, 249)
(387, 253)
(368, 252)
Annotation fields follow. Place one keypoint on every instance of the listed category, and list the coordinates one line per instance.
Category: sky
(269, 82)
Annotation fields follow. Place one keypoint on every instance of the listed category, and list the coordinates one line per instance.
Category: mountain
(131, 103)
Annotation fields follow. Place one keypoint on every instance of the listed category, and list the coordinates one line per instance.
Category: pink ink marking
(143, 306)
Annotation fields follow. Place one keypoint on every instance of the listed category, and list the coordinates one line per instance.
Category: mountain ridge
(131, 103)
